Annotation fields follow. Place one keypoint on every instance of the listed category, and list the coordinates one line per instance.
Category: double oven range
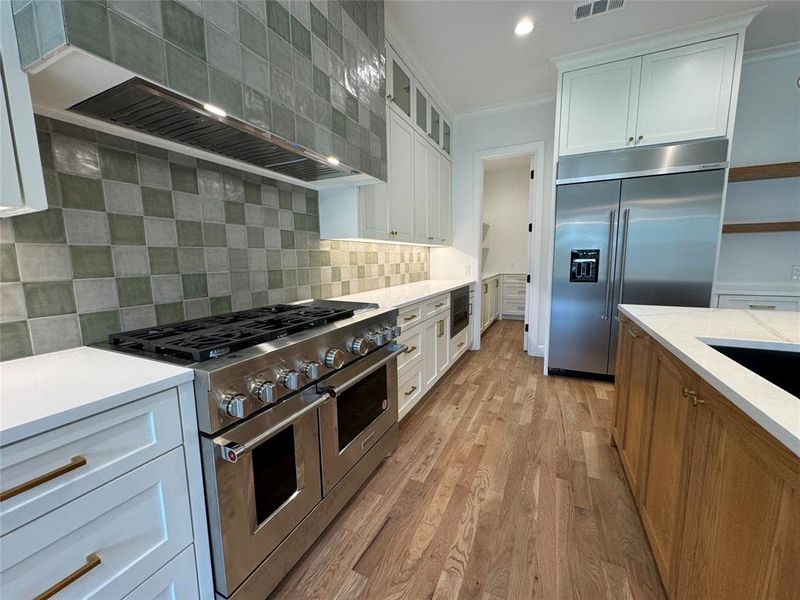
(296, 406)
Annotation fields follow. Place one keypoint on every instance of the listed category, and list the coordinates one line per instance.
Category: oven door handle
(394, 349)
(233, 451)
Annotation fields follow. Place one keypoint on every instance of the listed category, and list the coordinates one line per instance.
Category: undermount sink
(781, 367)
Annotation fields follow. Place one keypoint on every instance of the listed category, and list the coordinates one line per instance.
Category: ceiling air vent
(140, 105)
(586, 10)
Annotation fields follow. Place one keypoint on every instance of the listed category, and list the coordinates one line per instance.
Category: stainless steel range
(297, 405)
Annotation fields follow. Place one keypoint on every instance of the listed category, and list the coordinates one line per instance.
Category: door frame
(533, 289)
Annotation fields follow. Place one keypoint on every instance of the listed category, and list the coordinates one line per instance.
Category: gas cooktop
(210, 337)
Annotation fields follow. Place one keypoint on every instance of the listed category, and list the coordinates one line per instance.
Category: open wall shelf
(755, 172)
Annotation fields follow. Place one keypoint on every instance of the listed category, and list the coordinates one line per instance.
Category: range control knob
(376, 337)
(360, 346)
(396, 331)
(263, 390)
(310, 369)
(233, 404)
(334, 358)
(389, 334)
(289, 379)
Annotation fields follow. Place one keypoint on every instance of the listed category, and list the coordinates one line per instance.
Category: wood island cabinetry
(718, 496)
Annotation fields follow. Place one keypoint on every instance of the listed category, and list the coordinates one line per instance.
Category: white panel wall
(505, 207)
(494, 128)
(767, 131)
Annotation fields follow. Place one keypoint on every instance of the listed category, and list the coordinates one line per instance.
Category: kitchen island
(710, 449)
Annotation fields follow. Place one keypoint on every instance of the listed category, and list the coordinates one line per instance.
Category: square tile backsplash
(136, 236)
(310, 71)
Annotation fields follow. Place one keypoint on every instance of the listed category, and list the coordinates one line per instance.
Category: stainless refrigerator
(634, 226)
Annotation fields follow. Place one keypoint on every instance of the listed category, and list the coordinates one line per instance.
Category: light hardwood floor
(504, 485)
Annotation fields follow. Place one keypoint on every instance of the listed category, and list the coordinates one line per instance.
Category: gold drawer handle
(687, 393)
(409, 350)
(92, 561)
(411, 391)
(409, 318)
(634, 333)
(74, 463)
(440, 305)
(460, 344)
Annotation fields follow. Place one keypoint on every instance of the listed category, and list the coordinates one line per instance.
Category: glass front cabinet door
(398, 82)
(446, 136)
(436, 126)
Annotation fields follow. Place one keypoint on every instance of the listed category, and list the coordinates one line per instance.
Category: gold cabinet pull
(441, 329)
(74, 463)
(411, 391)
(692, 394)
(635, 333)
(409, 350)
(409, 318)
(460, 344)
(440, 305)
(92, 561)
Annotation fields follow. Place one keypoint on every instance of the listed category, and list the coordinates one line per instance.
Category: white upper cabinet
(20, 169)
(598, 107)
(398, 83)
(421, 106)
(686, 92)
(401, 179)
(423, 199)
(668, 96)
(435, 129)
(446, 136)
(432, 159)
(445, 200)
(373, 205)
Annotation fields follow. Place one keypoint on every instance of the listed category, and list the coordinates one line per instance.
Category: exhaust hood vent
(140, 105)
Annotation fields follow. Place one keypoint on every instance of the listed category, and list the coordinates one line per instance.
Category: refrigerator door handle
(612, 218)
(626, 217)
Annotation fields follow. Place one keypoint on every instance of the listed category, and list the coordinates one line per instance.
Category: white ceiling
(469, 51)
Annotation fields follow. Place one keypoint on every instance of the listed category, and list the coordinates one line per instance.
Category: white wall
(473, 133)
(506, 185)
(767, 130)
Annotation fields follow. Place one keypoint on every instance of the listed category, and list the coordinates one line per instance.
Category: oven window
(274, 473)
(360, 405)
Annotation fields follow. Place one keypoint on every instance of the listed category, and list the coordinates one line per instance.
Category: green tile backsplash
(138, 236)
(281, 65)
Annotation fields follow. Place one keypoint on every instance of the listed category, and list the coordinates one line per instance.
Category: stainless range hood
(148, 108)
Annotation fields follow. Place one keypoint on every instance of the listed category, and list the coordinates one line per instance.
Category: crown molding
(395, 37)
(655, 42)
(772, 53)
(502, 107)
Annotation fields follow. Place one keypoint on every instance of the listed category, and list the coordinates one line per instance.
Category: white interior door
(686, 92)
(598, 107)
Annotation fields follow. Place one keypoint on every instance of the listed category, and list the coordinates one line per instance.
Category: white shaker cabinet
(423, 198)
(686, 92)
(20, 168)
(445, 200)
(401, 179)
(598, 107)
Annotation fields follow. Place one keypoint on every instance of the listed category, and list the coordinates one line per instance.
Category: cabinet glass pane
(446, 136)
(401, 89)
(435, 124)
(422, 111)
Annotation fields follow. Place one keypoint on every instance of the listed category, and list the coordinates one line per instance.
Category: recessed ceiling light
(333, 160)
(215, 110)
(523, 27)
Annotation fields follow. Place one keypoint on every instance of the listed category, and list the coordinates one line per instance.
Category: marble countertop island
(687, 333)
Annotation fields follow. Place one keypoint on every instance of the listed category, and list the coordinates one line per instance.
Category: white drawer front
(410, 315)
(413, 339)
(436, 305)
(409, 389)
(134, 524)
(514, 291)
(514, 307)
(111, 443)
(177, 580)
(458, 344)
(515, 278)
(759, 302)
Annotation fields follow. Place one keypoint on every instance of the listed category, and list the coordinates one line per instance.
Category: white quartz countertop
(398, 296)
(686, 332)
(42, 392)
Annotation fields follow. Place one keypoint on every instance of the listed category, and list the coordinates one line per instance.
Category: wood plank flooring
(504, 485)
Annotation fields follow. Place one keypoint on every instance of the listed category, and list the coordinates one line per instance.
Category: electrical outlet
(796, 273)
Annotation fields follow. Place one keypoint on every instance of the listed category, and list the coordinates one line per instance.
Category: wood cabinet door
(598, 107)
(666, 475)
(401, 178)
(621, 382)
(633, 434)
(686, 92)
(742, 533)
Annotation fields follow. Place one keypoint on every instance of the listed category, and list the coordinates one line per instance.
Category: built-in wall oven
(459, 310)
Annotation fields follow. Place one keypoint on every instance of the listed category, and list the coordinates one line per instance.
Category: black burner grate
(210, 337)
